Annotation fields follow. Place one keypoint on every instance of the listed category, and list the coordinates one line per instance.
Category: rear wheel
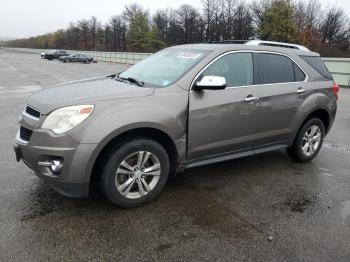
(308, 142)
(67, 60)
(135, 172)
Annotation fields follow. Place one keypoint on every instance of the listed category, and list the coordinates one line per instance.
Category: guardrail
(338, 67)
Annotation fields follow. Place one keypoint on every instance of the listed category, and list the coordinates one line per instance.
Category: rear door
(221, 121)
(80, 58)
(76, 58)
(282, 90)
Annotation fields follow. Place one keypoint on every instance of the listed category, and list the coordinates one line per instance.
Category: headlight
(66, 118)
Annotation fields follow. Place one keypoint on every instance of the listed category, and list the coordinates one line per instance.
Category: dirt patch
(163, 247)
(205, 211)
(298, 204)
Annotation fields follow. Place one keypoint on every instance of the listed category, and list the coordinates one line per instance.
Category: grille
(32, 112)
(25, 133)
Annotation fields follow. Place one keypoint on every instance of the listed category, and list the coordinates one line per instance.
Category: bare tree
(131, 10)
(259, 8)
(161, 20)
(188, 20)
(94, 26)
(312, 13)
(117, 25)
(83, 26)
(209, 7)
(334, 27)
(72, 36)
(242, 23)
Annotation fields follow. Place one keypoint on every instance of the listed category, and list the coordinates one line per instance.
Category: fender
(315, 101)
(140, 114)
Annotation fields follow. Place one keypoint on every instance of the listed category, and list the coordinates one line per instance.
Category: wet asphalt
(259, 208)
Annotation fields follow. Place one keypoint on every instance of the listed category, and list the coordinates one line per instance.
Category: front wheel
(135, 172)
(308, 142)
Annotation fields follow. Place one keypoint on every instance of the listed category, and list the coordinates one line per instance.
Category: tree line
(326, 30)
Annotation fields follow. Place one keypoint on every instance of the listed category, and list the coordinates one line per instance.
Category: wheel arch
(321, 113)
(107, 144)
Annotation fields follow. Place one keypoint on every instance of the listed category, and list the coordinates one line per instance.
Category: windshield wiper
(133, 80)
(129, 79)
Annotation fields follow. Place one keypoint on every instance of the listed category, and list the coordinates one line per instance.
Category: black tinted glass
(237, 69)
(318, 65)
(276, 69)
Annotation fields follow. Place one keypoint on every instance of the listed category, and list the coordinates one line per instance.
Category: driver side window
(237, 68)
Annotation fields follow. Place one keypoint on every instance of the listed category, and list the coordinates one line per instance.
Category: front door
(224, 121)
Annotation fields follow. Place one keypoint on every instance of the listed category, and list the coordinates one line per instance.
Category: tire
(66, 60)
(311, 145)
(115, 174)
(87, 61)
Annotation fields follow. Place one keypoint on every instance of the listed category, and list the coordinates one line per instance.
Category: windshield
(165, 67)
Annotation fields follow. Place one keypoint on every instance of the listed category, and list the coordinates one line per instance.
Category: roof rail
(277, 44)
(230, 42)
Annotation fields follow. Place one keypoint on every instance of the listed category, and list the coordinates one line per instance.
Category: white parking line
(7, 92)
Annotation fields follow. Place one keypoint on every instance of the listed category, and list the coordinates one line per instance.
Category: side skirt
(227, 156)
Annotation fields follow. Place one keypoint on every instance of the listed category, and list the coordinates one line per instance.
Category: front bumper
(74, 178)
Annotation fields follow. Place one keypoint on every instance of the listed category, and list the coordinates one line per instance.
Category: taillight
(335, 89)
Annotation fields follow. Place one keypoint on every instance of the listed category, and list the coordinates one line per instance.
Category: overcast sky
(23, 18)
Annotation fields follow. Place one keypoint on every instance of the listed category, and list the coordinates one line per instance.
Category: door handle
(301, 90)
(251, 99)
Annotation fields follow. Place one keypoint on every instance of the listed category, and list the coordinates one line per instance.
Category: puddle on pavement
(204, 211)
(345, 211)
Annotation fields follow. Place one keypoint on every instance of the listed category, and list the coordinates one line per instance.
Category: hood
(86, 91)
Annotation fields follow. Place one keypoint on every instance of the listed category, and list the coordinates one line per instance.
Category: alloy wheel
(311, 140)
(138, 174)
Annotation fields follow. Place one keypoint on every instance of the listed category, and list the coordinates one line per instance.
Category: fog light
(54, 165)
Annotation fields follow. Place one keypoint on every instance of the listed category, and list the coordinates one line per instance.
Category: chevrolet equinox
(182, 107)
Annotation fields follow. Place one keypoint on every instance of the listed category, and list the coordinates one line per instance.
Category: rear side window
(318, 65)
(276, 69)
(299, 75)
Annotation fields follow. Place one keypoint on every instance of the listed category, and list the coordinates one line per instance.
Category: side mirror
(211, 83)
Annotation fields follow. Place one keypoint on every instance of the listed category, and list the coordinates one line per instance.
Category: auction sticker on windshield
(189, 55)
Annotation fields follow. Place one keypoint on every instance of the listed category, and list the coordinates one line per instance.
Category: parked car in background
(183, 107)
(55, 54)
(77, 58)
